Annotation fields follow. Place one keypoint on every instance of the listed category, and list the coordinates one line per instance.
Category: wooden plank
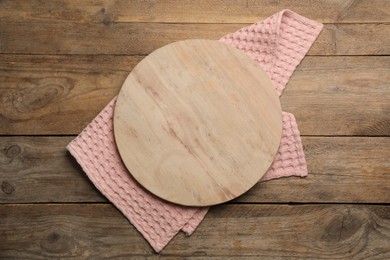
(62, 94)
(40, 93)
(340, 169)
(188, 11)
(38, 169)
(267, 231)
(340, 96)
(143, 38)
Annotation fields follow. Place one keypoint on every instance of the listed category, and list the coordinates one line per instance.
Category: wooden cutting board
(197, 122)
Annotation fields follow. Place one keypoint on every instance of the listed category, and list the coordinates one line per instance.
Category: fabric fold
(278, 44)
(96, 152)
(290, 158)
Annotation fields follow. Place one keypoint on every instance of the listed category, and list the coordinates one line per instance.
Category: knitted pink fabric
(278, 44)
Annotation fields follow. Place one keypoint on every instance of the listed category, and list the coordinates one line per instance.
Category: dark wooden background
(62, 61)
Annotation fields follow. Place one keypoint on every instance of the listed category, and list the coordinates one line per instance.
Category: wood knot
(53, 237)
(39, 93)
(105, 17)
(342, 228)
(12, 151)
(107, 21)
(58, 243)
(8, 152)
(7, 187)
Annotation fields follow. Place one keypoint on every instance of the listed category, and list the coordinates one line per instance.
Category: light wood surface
(197, 122)
(340, 95)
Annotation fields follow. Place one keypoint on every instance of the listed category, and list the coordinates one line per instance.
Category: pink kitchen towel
(278, 44)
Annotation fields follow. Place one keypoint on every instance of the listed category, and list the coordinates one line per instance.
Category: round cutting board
(197, 122)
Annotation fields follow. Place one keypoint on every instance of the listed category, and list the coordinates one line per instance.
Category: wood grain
(39, 93)
(328, 95)
(266, 231)
(340, 168)
(188, 11)
(338, 96)
(143, 38)
(188, 131)
(38, 169)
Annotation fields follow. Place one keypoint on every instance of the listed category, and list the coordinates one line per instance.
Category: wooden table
(62, 61)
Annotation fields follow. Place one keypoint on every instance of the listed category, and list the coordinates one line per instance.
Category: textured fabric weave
(278, 44)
